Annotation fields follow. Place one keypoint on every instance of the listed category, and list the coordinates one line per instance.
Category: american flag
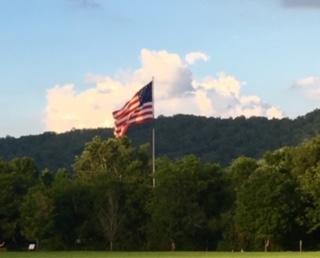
(137, 110)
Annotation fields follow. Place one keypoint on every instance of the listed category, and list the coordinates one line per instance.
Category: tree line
(107, 202)
(210, 139)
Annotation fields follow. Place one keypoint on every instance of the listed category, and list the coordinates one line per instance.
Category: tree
(117, 174)
(306, 168)
(109, 207)
(237, 173)
(267, 205)
(16, 177)
(37, 214)
(188, 199)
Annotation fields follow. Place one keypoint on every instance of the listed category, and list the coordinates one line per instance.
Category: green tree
(267, 205)
(118, 175)
(16, 177)
(186, 205)
(37, 214)
(306, 168)
(72, 213)
(237, 173)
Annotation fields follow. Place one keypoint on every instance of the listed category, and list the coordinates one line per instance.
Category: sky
(68, 64)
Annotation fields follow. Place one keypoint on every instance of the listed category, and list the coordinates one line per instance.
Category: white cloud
(193, 57)
(309, 86)
(223, 95)
(172, 76)
(176, 91)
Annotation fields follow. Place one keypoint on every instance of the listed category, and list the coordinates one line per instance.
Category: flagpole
(153, 160)
(153, 140)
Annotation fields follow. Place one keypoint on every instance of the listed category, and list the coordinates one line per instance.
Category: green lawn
(157, 255)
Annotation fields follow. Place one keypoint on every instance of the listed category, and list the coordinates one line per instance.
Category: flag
(137, 110)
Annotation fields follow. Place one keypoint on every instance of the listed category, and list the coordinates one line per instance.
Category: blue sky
(263, 59)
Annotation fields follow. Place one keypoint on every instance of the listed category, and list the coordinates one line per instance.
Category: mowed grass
(84, 254)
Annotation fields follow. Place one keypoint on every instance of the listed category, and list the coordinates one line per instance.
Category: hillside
(216, 139)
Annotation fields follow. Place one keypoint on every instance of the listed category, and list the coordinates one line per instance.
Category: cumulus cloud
(193, 57)
(176, 91)
(172, 76)
(309, 86)
(224, 98)
(308, 4)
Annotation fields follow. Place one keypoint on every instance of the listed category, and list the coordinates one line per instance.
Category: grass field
(158, 255)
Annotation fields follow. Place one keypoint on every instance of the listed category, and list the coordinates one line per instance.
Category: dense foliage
(106, 201)
(210, 139)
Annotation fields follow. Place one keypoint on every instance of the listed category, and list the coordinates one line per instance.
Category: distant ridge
(214, 139)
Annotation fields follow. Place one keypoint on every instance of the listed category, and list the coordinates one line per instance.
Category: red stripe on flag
(134, 112)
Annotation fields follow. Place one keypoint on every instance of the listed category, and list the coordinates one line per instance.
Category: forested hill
(214, 139)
